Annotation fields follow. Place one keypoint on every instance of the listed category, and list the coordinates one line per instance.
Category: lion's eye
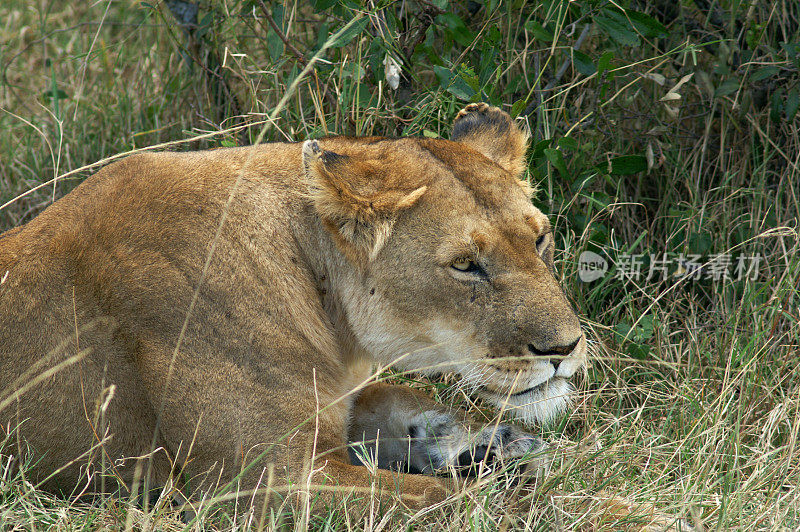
(466, 265)
(462, 264)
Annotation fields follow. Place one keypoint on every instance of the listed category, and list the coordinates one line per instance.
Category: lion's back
(147, 217)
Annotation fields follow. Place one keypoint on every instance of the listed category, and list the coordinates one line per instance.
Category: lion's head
(453, 264)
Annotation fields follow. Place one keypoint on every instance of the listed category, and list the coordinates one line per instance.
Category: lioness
(228, 305)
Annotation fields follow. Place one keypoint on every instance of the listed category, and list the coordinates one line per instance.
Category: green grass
(691, 406)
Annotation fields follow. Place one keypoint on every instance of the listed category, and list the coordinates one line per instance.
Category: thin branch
(326, 92)
(568, 62)
(297, 53)
(559, 74)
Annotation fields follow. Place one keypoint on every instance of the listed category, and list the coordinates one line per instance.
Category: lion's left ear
(354, 200)
(491, 131)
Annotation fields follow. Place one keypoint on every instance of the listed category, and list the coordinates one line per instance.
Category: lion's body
(224, 292)
(90, 261)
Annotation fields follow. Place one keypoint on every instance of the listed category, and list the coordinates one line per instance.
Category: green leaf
(556, 158)
(776, 104)
(599, 199)
(624, 165)
(539, 147)
(456, 27)
(204, 25)
(638, 351)
(322, 5)
(461, 90)
(376, 53)
(699, 243)
(430, 134)
(764, 73)
(792, 49)
(792, 104)
(583, 63)
(646, 25)
(645, 328)
(453, 83)
(488, 54)
(278, 14)
(539, 31)
(228, 143)
(357, 27)
(274, 45)
(568, 143)
(616, 25)
(57, 94)
(633, 337)
(322, 35)
(727, 87)
(604, 63)
(518, 107)
(468, 75)
(443, 74)
(623, 329)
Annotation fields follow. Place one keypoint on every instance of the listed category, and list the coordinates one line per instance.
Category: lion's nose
(556, 350)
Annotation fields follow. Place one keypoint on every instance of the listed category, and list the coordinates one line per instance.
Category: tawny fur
(335, 256)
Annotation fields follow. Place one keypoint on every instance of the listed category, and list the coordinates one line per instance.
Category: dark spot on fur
(413, 431)
(332, 159)
(372, 291)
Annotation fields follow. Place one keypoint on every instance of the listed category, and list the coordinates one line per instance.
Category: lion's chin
(540, 404)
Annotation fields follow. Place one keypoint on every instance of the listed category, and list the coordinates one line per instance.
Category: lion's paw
(479, 107)
(480, 116)
(439, 443)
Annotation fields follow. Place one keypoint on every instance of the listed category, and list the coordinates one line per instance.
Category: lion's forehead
(509, 242)
(409, 162)
(460, 181)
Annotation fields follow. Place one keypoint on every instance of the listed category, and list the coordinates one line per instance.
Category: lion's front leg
(403, 429)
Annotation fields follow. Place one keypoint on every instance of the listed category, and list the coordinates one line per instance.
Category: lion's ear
(491, 131)
(353, 199)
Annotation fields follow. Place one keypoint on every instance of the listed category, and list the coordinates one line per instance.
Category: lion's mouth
(527, 391)
(530, 390)
(535, 404)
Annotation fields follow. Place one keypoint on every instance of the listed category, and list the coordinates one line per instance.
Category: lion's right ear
(354, 199)
(491, 131)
